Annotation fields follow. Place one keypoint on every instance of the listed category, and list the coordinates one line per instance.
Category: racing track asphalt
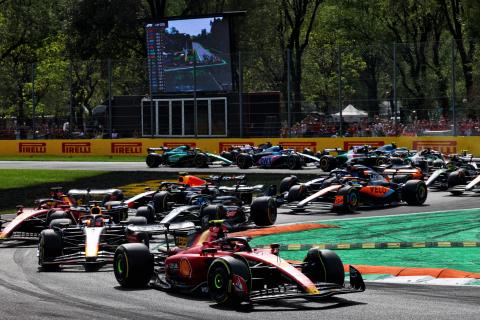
(76, 294)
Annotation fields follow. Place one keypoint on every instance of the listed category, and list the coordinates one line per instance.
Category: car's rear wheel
(160, 201)
(60, 223)
(137, 220)
(414, 192)
(456, 178)
(263, 211)
(57, 215)
(294, 162)
(327, 163)
(153, 160)
(287, 183)
(323, 266)
(244, 161)
(209, 213)
(228, 280)
(297, 192)
(144, 212)
(49, 248)
(133, 265)
(200, 160)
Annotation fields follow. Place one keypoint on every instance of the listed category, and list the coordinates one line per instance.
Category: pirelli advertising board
(138, 147)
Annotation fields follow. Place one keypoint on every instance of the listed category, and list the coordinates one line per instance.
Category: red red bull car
(231, 271)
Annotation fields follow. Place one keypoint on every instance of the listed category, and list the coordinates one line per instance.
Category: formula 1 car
(335, 158)
(455, 173)
(196, 199)
(183, 156)
(28, 223)
(276, 157)
(428, 160)
(91, 242)
(345, 190)
(230, 270)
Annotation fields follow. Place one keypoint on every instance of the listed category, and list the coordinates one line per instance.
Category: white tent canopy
(351, 114)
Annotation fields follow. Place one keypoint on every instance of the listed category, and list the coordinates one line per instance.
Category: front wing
(324, 289)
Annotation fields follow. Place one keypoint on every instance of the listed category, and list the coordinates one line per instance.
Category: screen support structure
(195, 106)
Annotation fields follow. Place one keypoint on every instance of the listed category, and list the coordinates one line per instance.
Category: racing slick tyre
(200, 161)
(327, 163)
(145, 212)
(294, 162)
(153, 160)
(60, 223)
(287, 183)
(138, 220)
(263, 211)
(49, 248)
(346, 200)
(323, 266)
(414, 192)
(297, 192)
(209, 213)
(244, 161)
(133, 265)
(229, 280)
(380, 161)
(57, 215)
(160, 201)
(456, 178)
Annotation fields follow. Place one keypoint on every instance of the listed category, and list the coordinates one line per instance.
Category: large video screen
(178, 49)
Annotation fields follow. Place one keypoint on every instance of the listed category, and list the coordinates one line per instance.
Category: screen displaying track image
(202, 44)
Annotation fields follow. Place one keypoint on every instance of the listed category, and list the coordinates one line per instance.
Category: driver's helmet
(99, 221)
(357, 171)
(437, 163)
(451, 166)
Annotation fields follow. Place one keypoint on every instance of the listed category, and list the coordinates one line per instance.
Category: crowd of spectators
(49, 130)
(312, 126)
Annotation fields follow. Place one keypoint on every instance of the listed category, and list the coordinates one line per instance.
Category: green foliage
(67, 44)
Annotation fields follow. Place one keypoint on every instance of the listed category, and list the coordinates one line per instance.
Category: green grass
(16, 178)
(72, 158)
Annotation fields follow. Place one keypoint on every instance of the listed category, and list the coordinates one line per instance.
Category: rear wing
(330, 150)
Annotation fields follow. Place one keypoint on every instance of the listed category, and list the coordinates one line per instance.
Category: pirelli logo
(448, 146)
(347, 145)
(225, 146)
(299, 145)
(76, 147)
(32, 147)
(126, 147)
(178, 144)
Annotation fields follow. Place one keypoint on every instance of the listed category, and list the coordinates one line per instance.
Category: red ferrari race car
(230, 270)
(28, 223)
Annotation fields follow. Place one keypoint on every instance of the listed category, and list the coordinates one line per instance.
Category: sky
(191, 26)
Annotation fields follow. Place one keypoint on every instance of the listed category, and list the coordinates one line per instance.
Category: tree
(294, 31)
(462, 22)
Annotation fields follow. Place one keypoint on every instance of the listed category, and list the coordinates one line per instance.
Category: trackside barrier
(138, 147)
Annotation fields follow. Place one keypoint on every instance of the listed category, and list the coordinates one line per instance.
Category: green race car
(183, 156)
